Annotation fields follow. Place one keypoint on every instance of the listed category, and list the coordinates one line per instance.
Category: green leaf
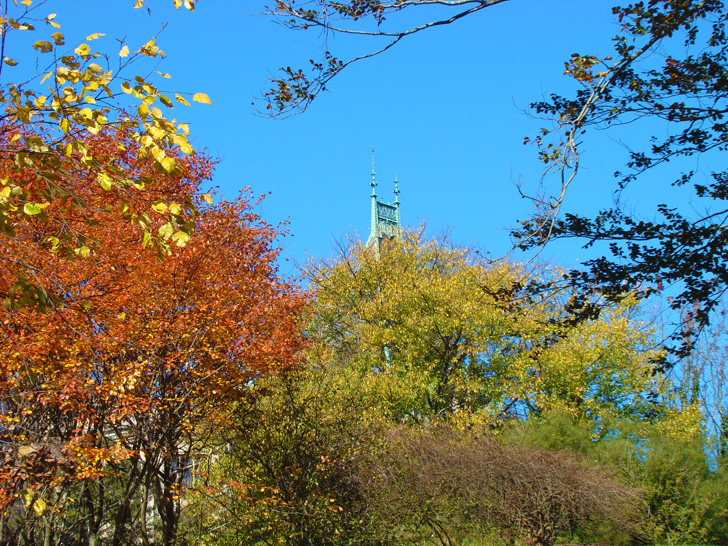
(31, 209)
(27, 497)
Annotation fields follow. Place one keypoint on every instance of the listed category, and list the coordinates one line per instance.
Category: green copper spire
(396, 197)
(373, 183)
(385, 221)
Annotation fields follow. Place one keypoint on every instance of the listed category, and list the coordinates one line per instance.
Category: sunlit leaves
(445, 335)
(43, 46)
(133, 350)
(201, 97)
(76, 105)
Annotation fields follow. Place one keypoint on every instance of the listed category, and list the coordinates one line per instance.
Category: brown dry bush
(439, 485)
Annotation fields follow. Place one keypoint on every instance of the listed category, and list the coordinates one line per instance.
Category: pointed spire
(373, 183)
(374, 229)
(396, 203)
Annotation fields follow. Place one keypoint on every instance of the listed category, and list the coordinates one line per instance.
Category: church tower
(385, 216)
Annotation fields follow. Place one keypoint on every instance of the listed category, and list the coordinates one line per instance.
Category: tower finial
(396, 190)
(373, 183)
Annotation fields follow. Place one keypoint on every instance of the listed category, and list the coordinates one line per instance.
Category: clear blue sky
(444, 110)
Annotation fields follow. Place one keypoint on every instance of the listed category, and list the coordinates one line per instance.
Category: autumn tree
(108, 396)
(287, 473)
(440, 333)
(51, 108)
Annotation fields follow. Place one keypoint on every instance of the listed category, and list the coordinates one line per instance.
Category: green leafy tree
(684, 495)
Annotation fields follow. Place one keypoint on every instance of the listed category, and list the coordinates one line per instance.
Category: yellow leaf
(83, 50)
(159, 207)
(124, 51)
(201, 97)
(181, 99)
(39, 506)
(83, 251)
(46, 77)
(180, 238)
(43, 46)
(207, 198)
(164, 75)
(168, 164)
(105, 181)
(9, 61)
(156, 133)
(95, 36)
(166, 231)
